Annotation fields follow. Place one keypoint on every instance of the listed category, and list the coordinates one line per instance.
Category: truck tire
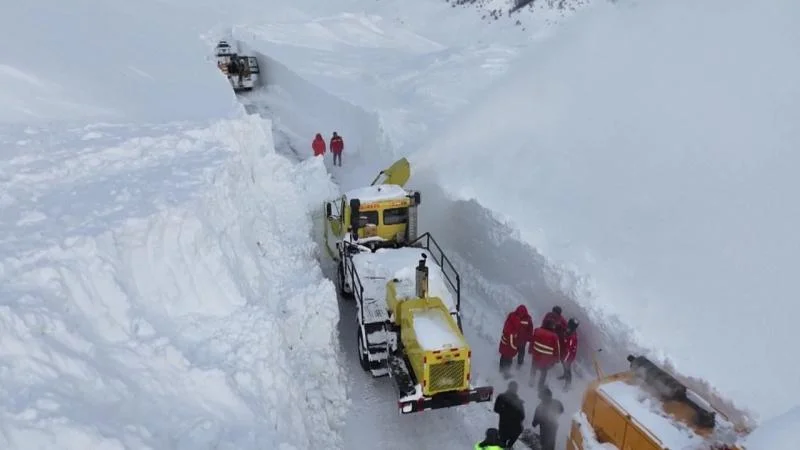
(363, 355)
(340, 282)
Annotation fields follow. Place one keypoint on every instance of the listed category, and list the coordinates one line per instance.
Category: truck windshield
(368, 217)
(395, 216)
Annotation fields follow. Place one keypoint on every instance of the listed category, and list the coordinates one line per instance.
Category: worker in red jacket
(525, 333)
(559, 321)
(337, 145)
(545, 350)
(569, 346)
(318, 145)
(510, 339)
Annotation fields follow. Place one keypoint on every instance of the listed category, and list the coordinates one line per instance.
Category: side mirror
(328, 209)
(417, 198)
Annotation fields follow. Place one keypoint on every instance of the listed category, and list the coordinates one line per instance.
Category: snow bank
(779, 433)
(182, 305)
(409, 65)
(654, 158)
(302, 109)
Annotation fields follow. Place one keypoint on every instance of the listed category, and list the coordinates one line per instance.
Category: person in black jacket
(511, 409)
(546, 418)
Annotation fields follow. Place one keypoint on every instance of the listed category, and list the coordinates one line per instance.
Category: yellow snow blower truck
(407, 294)
(646, 408)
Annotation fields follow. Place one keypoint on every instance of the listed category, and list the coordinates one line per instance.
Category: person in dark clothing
(546, 418)
(234, 69)
(558, 320)
(491, 441)
(511, 409)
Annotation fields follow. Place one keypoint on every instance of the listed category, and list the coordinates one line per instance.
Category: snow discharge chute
(398, 173)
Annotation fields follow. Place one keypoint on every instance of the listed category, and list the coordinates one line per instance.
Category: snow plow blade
(398, 173)
(447, 400)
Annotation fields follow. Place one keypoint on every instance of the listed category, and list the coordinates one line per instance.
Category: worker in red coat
(559, 321)
(525, 334)
(545, 350)
(318, 145)
(510, 339)
(569, 346)
(337, 145)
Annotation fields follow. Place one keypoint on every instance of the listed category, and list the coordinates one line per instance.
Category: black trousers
(567, 377)
(505, 365)
(509, 433)
(337, 157)
(521, 353)
(542, 378)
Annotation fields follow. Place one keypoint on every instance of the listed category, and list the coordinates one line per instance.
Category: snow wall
(650, 165)
(198, 317)
(302, 109)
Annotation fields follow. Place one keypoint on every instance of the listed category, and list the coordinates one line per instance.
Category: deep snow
(653, 167)
(158, 271)
(156, 287)
(123, 213)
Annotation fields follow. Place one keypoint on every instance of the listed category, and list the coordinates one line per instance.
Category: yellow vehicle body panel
(613, 424)
(437, 370)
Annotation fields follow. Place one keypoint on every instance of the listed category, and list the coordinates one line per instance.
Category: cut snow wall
(499, 272)
(205, 324)
(301, 109)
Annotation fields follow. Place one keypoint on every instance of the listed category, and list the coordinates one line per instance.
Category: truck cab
(380, 215)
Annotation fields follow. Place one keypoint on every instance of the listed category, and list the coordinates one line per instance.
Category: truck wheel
(363, 355)
(340, 282)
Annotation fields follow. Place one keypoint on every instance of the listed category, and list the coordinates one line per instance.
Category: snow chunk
(433, 331)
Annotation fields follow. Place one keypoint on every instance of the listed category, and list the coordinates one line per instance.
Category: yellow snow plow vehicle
(646, 408)
(407, 293)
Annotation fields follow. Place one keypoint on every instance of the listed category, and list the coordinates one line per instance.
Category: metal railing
(449, 271)
(355, 280)
(425, 241)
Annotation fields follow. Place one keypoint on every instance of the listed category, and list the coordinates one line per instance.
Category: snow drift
(156, 292)
(658, 160)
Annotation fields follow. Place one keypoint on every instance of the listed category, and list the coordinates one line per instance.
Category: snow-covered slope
(156, 284)
(159, 283)
(653, 167)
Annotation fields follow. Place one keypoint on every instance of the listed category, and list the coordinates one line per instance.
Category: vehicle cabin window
(395, 216)
(368, 217)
